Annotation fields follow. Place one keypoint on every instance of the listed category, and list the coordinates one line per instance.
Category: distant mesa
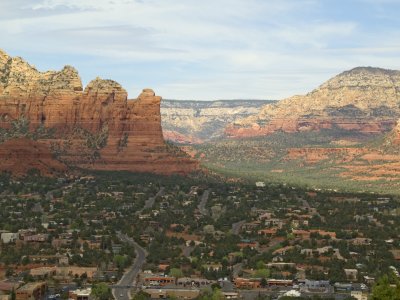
(95, 127)
(363, 99)
(197, 122)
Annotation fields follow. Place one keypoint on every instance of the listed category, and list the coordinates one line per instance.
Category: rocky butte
(364, 100)
(95, 128)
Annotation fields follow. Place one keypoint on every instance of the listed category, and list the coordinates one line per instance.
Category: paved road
(130, 276)
(150, 202)
(203, 202)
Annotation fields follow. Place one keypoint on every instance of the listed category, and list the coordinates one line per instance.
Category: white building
(9, 237)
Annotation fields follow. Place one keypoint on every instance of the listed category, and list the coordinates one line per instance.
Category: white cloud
(201, 49)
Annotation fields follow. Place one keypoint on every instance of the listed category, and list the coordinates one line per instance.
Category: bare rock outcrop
(363, 99)
(96, 127)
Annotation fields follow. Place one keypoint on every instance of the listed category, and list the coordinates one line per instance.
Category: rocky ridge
(196, 122)
(363, 99)
(96, 127)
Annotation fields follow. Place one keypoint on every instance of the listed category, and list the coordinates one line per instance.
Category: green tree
(262, 273)
(13, 295)
(120, 261)
(101, 291)
(215, 295)
(175, 272)
(383, 290)
(141, 296)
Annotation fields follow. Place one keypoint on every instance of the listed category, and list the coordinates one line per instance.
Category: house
(302, 234)
(9, 237)
(322, 286)
(396, 253)
(36, 238)
(158, 281)
(64, 272)
(43, 272)
(279, 282)
(146, 238)
(359, 295)
(283, 250)
(230, 295)
(80, 294)
(213, 267)
(31, 291)
(249, 227)
(247, 283)
(247, 243)
(267, 231)
(361, 241)
(197, 282)
(264, 216)
(163, 267)
(63, 261)
(274, 222)
(351, 274)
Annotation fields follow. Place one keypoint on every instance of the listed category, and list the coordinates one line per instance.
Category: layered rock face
(196, 122)
(362, 99)
(124, 134)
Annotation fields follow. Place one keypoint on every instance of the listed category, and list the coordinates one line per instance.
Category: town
(123, 235)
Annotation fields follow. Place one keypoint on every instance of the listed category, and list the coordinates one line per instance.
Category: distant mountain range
(194, 122)
(343, 134)
(364, 99)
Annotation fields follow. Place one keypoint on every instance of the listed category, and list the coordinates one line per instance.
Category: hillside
(363, 100)
(342, 135)
(197, 122)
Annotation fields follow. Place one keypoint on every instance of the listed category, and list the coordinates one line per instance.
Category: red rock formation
(179, 138)
(313, 155)
(395, 134)
(21, 155)
(131, 129)
(293, 125)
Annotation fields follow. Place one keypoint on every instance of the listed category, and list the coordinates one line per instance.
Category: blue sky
(208, 49)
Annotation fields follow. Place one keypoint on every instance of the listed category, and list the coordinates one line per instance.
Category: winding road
(203, 202)
(122, 290)
(150, 202)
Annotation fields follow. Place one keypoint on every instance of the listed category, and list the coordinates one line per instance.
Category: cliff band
(364, 99)
(96, 127)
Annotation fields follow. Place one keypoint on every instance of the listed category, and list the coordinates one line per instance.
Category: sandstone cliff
(96, 127)
(362, 99)
(23, 155)
(196, 122)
